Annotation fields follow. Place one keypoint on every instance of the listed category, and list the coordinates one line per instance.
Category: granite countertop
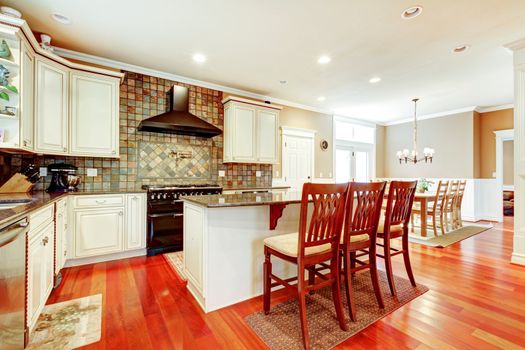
(41, 199)
(245, 199)
(255, 188)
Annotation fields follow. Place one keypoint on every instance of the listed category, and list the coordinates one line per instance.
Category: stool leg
(388, 266)
(302, 308)
(348, 285)
(375, 280)
(406, 257)
(267, 281)
(336, 294)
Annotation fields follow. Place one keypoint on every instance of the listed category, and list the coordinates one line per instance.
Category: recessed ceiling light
(60, 18)
(199, 58)
(324, 60)
(321, 98)
(282, 81)
(461, 48)
(375, 80)
(412, 12)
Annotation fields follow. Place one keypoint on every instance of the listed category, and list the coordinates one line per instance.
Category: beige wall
(380, 151)
(322, 123)
(452, 137)
(508, 163)
(490, 122)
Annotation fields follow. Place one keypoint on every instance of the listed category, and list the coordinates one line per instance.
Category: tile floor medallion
(69, 324)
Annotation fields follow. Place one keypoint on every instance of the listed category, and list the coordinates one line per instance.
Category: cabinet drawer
(41, 217)
(98, 201)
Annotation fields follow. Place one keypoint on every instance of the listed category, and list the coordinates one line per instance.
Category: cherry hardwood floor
(476, 301)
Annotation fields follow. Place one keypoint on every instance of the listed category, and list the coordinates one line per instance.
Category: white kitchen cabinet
(40, 270)
(27, 113)
(51, 107)
(98, 231)
(61, 234)
(94, 115)
(135, 221)
(250, 131)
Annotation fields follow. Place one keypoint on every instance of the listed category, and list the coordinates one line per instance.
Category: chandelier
(412, 157)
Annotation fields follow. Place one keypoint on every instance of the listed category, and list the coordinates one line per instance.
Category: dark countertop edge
(236, 205)
(38, 203)
(249, 188)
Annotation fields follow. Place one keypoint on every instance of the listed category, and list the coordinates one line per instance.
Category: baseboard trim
(518, 259)
(103, 258)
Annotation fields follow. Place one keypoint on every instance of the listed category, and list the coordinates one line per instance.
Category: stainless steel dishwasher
(12, 284)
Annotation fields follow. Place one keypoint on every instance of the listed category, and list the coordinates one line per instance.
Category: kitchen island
(223, 243)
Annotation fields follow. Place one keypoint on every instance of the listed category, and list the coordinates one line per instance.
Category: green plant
(423, 185)
(4, 95)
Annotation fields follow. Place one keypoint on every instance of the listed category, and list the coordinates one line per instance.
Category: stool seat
(288, 244)
(356, 238)
(393, 228)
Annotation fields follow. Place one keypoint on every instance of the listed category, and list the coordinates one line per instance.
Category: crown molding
(494, 108)
(516, 45)
(431, 116)
(179, 78)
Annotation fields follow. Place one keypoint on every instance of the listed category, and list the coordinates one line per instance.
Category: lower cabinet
(108, 224)
(98, 231)
(61, 218)
(40, 270)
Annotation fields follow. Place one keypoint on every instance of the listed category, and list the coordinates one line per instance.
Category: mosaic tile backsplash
(147, 158)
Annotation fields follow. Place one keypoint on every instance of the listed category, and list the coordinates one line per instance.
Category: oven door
(165, 229)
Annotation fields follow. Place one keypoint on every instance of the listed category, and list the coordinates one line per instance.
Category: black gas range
(165, 214)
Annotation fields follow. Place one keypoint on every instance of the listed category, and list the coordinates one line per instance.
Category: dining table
(424, 199)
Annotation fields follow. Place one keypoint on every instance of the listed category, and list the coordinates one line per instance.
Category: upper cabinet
(94, 115)
(51, 113)
(250, 131)
(51, 105)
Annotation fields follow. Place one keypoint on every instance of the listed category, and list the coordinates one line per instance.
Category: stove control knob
(165, 196)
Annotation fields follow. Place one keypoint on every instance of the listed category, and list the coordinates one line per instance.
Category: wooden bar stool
(363, 210)
(316, 242)
(394, 224)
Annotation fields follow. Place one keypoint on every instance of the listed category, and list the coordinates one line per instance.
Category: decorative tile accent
(143, 96)
(165, 160)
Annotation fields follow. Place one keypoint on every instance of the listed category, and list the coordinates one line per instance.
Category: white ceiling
(253, 44)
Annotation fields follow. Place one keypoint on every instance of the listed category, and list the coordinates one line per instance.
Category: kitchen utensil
(34, 177)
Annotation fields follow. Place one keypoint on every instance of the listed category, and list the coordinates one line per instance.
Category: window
(354, 150)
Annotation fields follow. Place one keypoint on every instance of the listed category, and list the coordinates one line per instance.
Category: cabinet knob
(65, 149)
(59, 215)
(134, 198)
(120, 213)
(26, 143)
(113, 152)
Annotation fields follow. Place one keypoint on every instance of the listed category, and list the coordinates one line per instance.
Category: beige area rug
(281, 329)
(69, 324)
(442, 241)
(176, 260)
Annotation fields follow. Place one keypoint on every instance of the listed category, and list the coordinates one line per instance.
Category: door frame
(357, 147)
(501, 136)
(296, 132)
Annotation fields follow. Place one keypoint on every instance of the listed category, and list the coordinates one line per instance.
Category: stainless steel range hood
(178, 120)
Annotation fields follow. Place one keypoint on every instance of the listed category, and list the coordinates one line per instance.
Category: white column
(518, 254)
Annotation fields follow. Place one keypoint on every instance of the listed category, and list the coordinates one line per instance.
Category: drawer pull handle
(100, 201)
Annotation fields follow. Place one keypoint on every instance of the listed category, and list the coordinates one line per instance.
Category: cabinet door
(27, 98)
(61, 235)
(94, 115)
(98, 231)
(48, 263)
(51, 114)
(267, 126)
(243, 137)
(35, 278)
(194, 223)
(135, 221)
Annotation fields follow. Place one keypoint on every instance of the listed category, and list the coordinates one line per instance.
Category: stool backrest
(461, 192)
(441, 194)
(399, 203)
(324, 224)
(452, 195)
(363, 209)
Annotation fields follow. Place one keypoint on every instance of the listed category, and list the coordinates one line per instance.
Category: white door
(352, 164)
(98, 231)
(297, 161)
(51, 114)
(267, 134)
(27, 103)
(135, 221)
(243, 125)
(94, 114)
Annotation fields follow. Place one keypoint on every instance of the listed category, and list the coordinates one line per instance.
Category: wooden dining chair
(316, 241)
(449, 212)
(394, 224)
(459, 201)
(436, 211)
(362, 214)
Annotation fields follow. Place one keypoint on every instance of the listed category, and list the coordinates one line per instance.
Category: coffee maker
(63, 178)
